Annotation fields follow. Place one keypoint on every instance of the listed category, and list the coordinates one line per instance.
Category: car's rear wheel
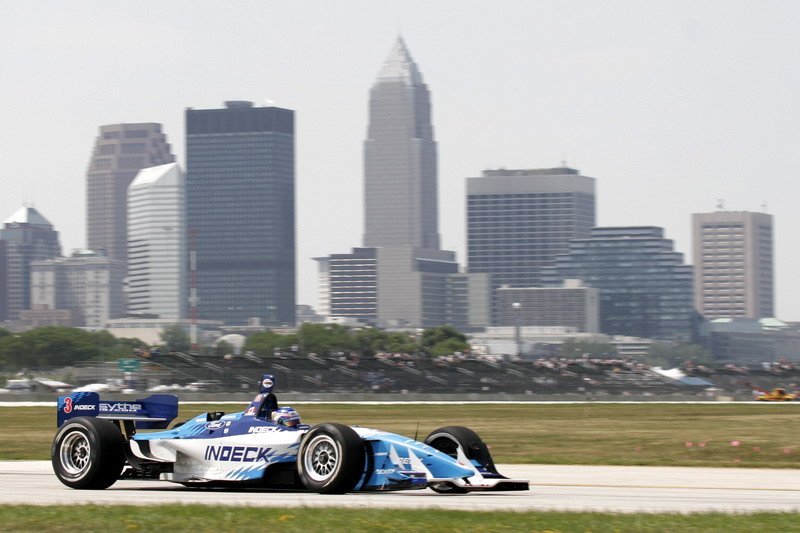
(331, 459)
(88, 453)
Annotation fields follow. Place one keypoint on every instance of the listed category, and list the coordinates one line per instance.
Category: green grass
(617, 434)
(200, 519)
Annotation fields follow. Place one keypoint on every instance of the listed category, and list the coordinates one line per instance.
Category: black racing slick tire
(449, 438)
(331, 459)
(88, 453)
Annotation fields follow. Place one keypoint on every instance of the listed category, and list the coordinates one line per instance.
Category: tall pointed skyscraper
(401, 278)
(400, 191)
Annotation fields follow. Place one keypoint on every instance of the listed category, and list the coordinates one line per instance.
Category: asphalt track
(553, 487)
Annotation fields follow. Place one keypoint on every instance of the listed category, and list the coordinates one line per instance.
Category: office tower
(572, 305)
(645, 287)
(400, 189)
(157, 266)
(400, 278)
(27, 237)
(404, 287)
(519, 220)
(240, 212)
(733, 261)
(120, 152)
(87, 284)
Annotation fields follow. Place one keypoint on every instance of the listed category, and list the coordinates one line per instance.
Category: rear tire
(331, 459)
(448, 439)
(88, 453)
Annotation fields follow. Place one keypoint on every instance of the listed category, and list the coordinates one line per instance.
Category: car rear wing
(153, 412)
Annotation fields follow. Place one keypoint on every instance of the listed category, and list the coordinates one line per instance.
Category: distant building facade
(27, 237)
(241, 212)
(519, 220)
(400, 181)
(87, 284)
(120, 152)
(645, 287)
(573, 305)
(734, 271)
(157, 254)
(404, 288)
(400, 278)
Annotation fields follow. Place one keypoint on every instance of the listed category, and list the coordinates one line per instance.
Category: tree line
(58, 346)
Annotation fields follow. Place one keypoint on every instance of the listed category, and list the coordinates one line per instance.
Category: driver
(286, 416)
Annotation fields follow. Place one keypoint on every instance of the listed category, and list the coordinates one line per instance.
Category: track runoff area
(553, 487)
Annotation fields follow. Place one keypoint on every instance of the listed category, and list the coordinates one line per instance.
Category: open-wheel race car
(267, 446)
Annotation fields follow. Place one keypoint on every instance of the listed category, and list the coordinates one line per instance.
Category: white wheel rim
(321, 458)
(74, 453)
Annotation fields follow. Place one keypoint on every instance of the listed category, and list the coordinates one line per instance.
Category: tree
(443, 340)
(265, 343)
(324, 338)
(48, 347)
(371, 340)
(574, 348)
(175, 338)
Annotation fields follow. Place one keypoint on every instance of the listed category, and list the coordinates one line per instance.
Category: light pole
(517, 336)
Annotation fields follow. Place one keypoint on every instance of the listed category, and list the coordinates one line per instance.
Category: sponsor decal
(215, 424)
(266, 383)
(242, 454)
(385, 471)
(120, 407)
(262, 429)
(84, 407)
(258, 398)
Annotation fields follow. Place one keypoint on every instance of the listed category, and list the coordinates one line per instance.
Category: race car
(99, 442)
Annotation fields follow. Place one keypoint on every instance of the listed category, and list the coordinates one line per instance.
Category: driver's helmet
(286, 416)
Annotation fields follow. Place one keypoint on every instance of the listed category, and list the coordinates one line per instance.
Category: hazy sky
(671, 105)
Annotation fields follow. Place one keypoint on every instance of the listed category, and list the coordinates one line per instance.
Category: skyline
(670, 107)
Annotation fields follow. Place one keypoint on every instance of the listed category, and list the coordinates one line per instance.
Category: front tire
(88, 453)
(448, 439)
(331, 459)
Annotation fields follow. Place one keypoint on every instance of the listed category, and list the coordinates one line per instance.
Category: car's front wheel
(449, 439)
(331, 459)
(88, 453)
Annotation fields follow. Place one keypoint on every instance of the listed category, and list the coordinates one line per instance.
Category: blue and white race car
(267, 446)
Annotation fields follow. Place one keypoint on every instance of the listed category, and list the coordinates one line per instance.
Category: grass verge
(729, 435)
(200, 519)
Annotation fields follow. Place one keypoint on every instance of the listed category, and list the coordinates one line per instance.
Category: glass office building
(241, 212)
(518, 220)
(645, 287)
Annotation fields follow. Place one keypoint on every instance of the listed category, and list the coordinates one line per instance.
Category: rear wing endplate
(154, 412)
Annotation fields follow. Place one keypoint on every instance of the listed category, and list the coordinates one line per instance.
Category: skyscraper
(87, 284)
(733, 261)
(400, 189)
(519, 220)
(120, 152)
(645, 287)
(157, 266)
(240, 212)
(28, 237)
(400, 278)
